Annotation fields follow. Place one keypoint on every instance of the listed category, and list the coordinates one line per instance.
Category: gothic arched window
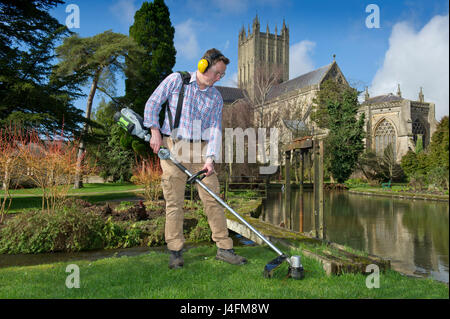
(419, 129)
(384, 134)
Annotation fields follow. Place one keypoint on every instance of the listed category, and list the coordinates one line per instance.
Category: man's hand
(209, 165)
(155, 140)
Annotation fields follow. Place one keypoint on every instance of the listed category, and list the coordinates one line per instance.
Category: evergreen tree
(30, 95)
(419, 144)
(436, 156)
(336, 108)
(115, 161)
(153, 31)
(439, 146)
(389, 168)
(410, 163)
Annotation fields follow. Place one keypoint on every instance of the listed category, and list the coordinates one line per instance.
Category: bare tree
(238, 115)
(258, 96)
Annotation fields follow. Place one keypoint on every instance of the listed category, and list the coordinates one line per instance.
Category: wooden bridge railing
(237, 186)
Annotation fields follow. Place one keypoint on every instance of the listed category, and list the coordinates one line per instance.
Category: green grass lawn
(88, 188)
(94, 193)
(148, 276)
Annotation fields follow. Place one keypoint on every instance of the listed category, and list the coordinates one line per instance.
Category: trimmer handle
(195, 176)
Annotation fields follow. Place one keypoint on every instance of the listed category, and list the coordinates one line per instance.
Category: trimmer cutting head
(295, 266)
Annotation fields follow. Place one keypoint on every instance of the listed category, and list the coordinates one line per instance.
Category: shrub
(201, 231)
(148, 173)
(123, 206)
(154, 231)
(417, 180)
(120, 236)
(47, 162)
(355, 182)
(409, 163)
(439, 147)
(68, 229)
(53, 166)
(437, 178)
(9, 167)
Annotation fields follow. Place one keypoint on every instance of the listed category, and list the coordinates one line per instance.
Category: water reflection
(414, 234)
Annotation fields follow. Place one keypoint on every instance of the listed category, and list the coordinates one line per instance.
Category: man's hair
(217, 55)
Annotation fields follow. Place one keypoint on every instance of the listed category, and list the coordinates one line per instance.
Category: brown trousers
(174, 183)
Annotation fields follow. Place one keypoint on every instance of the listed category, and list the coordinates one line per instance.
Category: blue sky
(409, 48)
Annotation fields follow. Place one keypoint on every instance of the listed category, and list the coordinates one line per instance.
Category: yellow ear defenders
(206, 62)
(203, 64)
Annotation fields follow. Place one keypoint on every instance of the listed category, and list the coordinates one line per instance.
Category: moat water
(413, 234)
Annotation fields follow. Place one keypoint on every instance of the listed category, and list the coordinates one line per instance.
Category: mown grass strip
(147, 276)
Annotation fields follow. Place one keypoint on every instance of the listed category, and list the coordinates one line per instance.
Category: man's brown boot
(229, 256)
(176, 259)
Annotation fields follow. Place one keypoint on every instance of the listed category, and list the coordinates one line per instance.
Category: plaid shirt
(201, 116)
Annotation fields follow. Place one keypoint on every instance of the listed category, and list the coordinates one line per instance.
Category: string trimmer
(133, 124)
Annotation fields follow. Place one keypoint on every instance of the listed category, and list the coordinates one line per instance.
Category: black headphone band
(211, 58)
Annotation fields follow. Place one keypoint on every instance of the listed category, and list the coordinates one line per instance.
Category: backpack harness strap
(186, 77)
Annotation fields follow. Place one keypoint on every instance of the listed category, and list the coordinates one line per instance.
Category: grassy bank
(147, 276)
(400, 191)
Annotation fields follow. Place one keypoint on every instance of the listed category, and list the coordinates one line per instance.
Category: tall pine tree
(153, 31)
(30, 95)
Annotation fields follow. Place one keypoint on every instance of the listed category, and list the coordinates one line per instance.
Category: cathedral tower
(260, 52)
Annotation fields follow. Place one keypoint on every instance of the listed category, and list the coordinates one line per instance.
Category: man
(202, 108)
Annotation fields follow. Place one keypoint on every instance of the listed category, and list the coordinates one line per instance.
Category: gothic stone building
(389, 118)
(393, 119)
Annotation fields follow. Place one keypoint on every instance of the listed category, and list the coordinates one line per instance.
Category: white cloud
(185, 40)
(300, 61)
(417, 59)
(227, 44)
(124, 11)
